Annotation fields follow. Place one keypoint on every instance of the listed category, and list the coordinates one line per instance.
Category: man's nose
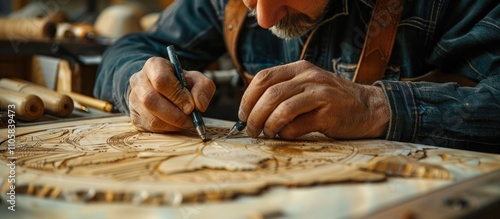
(269, 12)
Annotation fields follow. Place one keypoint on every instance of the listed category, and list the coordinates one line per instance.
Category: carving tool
(238, 127)
(198, 122)
(91, 101)
(81, 107)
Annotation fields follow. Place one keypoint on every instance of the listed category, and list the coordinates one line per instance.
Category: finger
(162, 77)
(146, 100)
(265, 79)
(320, 120)
(301, 125)
(146, 121)
(290, 109)
(268, 102)
(202, 89)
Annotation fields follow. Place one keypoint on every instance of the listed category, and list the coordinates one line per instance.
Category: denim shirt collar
(337, 7)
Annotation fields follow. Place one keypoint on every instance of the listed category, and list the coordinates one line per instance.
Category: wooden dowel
(14, 28)
(55, 103)
(27, 107)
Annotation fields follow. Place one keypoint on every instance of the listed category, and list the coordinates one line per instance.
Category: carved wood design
(108, 160)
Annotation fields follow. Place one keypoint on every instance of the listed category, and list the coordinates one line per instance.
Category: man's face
(288, 18)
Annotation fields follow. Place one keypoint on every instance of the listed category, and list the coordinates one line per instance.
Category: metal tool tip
(229, 134)
(204, 138)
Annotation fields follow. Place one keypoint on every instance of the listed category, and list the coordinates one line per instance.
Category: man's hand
(159, 103)
(298, 98)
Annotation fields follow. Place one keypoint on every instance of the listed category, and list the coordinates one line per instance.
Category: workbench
(105, 168)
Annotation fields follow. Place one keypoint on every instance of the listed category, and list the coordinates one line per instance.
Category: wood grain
(109, 161)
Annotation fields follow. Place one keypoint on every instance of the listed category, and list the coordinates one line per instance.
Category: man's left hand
(299, 98)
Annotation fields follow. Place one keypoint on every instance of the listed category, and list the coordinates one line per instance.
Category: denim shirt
(456, 36)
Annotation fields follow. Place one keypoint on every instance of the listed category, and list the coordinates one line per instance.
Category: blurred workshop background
(58, 44)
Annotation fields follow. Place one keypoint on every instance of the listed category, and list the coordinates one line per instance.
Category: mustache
(292, 25)
(252, 12)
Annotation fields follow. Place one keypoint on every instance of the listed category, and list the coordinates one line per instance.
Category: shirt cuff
(403, 110)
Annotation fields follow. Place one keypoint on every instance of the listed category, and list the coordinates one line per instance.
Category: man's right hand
(159, 103)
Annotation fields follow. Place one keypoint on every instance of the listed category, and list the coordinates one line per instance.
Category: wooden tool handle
(90, 101)
(12, 28)
(27, 107)
(55, 103)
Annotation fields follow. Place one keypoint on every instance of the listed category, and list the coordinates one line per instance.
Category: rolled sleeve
(403, 113)
(445, 115)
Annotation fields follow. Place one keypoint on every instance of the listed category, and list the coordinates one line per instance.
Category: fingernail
(269, 133)
(241, 114)
(187, 108)
(255, 135)
(252, 132)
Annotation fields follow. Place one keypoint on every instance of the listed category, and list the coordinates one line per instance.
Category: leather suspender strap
(376, 51)
(234, 17)
(379, 41)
